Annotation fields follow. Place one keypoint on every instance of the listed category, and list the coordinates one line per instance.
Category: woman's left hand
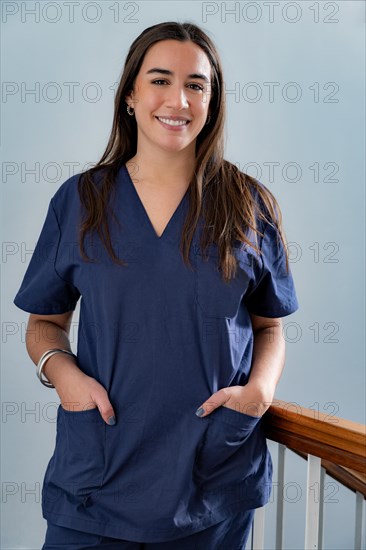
(249, 399)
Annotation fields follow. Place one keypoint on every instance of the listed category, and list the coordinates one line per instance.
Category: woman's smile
(178, 124)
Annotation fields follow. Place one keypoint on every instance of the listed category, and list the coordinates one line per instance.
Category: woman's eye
(198, 87)
(159, 80)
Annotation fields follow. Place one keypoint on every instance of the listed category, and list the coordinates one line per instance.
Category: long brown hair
(230, 201)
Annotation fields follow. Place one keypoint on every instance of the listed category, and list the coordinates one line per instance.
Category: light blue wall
(316, 141)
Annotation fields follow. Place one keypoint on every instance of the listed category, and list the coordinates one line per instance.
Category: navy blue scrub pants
(229, 534)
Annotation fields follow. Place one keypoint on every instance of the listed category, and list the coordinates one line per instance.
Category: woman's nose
(176, 98)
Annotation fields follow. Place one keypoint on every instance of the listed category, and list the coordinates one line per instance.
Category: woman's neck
(163, 170)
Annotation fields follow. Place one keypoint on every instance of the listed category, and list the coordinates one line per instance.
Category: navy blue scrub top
(160, 338)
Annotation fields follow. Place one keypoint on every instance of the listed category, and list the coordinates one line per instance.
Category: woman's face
(173, 84)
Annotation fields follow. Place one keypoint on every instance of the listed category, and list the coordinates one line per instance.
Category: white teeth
(173, 122)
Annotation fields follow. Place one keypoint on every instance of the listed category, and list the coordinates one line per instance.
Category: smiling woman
(183, 275)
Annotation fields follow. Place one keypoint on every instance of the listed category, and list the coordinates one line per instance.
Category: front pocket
(215, 297)
(232, 448)
(78, 461)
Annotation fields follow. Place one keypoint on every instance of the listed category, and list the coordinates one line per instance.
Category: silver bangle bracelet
(41, 363)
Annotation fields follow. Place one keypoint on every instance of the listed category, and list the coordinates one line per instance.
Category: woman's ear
(130, 99)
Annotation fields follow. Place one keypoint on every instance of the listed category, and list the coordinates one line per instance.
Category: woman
(179, 259)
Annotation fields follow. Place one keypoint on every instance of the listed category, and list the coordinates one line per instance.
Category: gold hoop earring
(129, 110)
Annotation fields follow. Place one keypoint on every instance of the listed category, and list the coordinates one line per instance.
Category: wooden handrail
(333, 439)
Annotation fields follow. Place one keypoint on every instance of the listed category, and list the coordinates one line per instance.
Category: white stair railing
(337, 449)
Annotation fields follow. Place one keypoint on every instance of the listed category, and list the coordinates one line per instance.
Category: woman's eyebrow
(170, 73)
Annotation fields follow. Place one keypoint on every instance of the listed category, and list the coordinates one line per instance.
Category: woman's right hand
(78, 392)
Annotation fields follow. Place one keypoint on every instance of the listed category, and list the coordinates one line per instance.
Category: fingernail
(111, 420)
(200, 411)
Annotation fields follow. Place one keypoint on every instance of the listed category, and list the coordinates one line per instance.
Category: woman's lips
(170, 127)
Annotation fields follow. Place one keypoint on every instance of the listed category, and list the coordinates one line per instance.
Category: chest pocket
(215, 297)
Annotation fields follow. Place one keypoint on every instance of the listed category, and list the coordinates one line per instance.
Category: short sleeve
(43, 291)
(274, 293)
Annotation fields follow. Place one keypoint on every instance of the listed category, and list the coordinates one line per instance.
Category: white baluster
(358, 522)
(321, 509)
(258, 529)
(312, 503)
(280, 496)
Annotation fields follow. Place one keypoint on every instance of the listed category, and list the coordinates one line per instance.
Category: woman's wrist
(58, 366)
(263, 394)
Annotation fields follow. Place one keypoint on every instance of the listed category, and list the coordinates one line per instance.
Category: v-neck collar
(142, 208)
